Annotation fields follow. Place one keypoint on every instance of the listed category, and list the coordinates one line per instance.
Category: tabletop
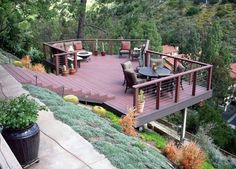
(160, 72)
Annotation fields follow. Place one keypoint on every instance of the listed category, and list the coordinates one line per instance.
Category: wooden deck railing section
(195, 80)
(57, 57)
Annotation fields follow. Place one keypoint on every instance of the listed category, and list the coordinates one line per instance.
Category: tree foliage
(215, 52)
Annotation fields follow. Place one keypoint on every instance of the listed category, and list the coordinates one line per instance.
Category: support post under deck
(184, 115)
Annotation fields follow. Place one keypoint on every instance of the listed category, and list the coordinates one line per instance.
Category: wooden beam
(194, 83)
(162, 112)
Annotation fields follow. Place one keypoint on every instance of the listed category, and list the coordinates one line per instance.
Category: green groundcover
(123, 151)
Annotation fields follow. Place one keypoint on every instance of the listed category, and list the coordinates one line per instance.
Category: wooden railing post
(158, 95)
(135, 99)
(57, 65)
(175, 65)
(194, 83)
(111, 47)
(75, 61)
(209, 78)
(177, 89)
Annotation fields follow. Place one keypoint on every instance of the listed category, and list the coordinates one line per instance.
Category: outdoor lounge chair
(78, 46)
(125, 48)
(131, 79)
(128, 66)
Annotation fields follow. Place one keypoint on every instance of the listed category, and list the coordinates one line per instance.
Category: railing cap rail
(69, 40)
(171, 76)
(178, 58)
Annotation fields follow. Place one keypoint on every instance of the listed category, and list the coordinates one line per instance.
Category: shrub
(171, 152)
(71, 98)
(215, 156)
(189, 155)
(38, 68)
(127, 122)
(36, 56)
(18, 64)
(26, 61)
(99, 110)
(192, 156)
(193, 11)
(18, 112)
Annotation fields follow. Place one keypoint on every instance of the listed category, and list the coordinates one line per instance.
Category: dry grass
(189, 155)
(38, 68)
(192, 156)
(127, 123)
(26, 61)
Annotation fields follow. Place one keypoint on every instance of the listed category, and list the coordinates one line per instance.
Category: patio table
(148, 72)
(84, 54)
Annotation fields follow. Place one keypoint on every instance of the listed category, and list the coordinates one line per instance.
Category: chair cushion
(69, 46)
(128, 65)
(59, 45)
(78, 45)
(125, 45)
(124, 51)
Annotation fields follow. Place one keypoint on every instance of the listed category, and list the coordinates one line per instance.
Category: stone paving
(60, 146)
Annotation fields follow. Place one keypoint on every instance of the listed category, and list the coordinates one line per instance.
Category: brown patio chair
(125, 48)
(128, 66)
(169, 64)
(78, 45)
(131, 79)
(179, 69)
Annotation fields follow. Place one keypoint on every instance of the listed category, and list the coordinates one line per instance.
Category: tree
(81, 23)
(193, 46)
(215, 52)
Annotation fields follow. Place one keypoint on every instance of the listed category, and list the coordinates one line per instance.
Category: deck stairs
(62, 85)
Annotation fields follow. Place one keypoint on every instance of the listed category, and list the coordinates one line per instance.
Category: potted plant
(141, 102)
(95, 53)
(65, 71)
(72, 69)
(103, 53)
(18, 118)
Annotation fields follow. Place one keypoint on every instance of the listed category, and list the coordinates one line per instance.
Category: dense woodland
(204, 31)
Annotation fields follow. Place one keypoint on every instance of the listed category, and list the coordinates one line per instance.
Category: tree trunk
(80, 32)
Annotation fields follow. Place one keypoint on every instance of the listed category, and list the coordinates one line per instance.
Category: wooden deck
(106, 75)
(102, 76)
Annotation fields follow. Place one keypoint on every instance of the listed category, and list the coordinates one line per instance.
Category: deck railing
(57, 57)
(165, 91)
